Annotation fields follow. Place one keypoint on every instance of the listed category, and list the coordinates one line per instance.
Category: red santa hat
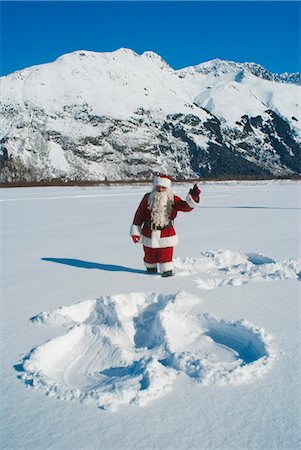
(162, 180)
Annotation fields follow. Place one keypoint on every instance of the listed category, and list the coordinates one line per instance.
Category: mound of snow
(129, 348)
(225, 267)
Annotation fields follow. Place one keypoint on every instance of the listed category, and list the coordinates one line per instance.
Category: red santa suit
(159, 239)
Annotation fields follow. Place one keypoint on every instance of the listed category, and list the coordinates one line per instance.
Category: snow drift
(224, 267)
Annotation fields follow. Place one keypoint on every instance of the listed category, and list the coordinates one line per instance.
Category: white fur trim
(135, 230)
(162, 181)
(164, 267)
(191, 202)
(150, 265)
(157, 242)
(153, 241)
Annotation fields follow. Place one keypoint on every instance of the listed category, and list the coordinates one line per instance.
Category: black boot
(168, 273)
(152, 269)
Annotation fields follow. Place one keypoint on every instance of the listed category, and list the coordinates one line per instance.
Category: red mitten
(136, 239)
(195, 193)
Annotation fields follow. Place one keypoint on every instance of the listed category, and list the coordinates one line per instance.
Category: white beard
(160, 205)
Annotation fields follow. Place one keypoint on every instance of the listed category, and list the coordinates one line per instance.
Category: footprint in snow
(224, 267)
(129, 348)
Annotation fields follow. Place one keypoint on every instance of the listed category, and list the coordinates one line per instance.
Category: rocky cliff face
(117, 116)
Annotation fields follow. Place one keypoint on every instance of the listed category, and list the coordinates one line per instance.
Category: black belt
(154, 227)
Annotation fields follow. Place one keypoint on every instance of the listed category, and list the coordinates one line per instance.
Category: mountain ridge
(121, 115)
(253, 67)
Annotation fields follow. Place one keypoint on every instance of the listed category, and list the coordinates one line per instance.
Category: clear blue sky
(183, 33)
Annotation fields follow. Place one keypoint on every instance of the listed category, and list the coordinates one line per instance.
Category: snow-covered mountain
(121, 115)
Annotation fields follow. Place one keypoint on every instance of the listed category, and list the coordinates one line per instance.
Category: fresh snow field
(99, 355)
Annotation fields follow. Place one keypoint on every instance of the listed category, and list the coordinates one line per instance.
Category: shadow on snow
(93, 265)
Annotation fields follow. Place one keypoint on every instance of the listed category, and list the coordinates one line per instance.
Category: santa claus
(153, 223)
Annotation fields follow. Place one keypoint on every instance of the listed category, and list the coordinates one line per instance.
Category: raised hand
(195, 191)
